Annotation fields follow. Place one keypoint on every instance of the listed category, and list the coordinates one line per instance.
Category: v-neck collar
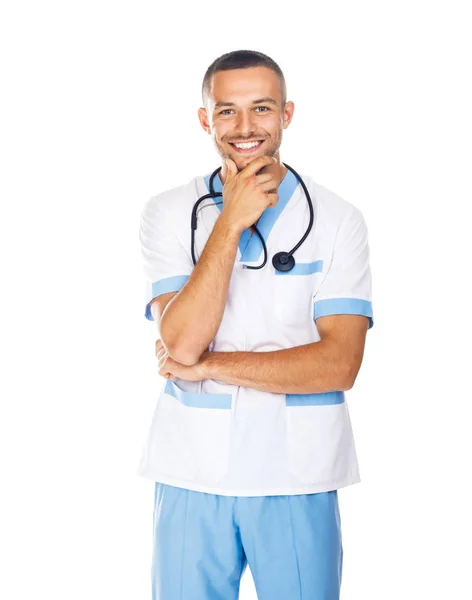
(250, 246)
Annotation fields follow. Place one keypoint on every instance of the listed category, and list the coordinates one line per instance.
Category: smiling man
(258, 280)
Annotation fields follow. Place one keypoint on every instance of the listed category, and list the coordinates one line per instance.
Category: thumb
(232, 170)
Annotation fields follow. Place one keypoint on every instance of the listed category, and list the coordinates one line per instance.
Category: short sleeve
(167, 265)
(347, 286)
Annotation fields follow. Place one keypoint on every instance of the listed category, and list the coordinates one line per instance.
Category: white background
(99, 112)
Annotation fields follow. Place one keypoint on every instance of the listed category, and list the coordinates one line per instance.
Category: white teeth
(247, 145)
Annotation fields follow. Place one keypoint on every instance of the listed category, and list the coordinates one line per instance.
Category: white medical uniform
(218, 438)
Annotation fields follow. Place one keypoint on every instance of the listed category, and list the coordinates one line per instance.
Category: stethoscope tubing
(282, 261)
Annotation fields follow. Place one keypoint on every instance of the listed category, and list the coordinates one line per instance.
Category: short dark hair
(243, 59)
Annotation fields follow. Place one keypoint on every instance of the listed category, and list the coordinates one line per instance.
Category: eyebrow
(266, 99)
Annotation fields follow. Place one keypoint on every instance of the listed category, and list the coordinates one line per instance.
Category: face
(234, 113)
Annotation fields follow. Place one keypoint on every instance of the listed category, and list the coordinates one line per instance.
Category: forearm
(192, 318)
(309, 369)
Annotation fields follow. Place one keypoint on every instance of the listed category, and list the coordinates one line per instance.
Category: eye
(257, 107)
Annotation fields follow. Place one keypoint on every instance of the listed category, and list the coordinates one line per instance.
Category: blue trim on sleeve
(343, 306)
(163, 286)
(314, 399)
(198, 400)
(303, 268)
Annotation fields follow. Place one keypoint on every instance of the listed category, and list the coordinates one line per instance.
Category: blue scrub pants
(203, 543)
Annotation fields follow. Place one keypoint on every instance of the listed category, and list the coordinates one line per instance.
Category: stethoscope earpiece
(282, 261)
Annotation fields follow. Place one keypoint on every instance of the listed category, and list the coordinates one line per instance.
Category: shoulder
(333, 211)
(334, 206)
(173, 202)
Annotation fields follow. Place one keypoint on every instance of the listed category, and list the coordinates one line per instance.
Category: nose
(245, 123)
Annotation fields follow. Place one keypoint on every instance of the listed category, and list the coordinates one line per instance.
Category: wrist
(205, 365)
(229, 226)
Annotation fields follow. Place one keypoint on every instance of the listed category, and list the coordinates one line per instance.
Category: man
(251, 437)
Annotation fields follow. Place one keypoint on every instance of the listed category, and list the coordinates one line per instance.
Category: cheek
(220, 132)
(277, 132)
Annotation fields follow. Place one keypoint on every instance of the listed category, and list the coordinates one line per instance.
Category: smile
(247, 147)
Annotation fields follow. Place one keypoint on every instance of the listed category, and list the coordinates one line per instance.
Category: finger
(160, 353)
(256, 165)
(232, 170)
(162, 362)
(162, 359)
(164, 371)
(263, 177)
(273, 199)
(268, 186)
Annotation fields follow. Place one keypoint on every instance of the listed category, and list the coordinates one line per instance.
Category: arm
(329, 365)
(343, 314)
(189, 319)
(192, 319)
(185, 301)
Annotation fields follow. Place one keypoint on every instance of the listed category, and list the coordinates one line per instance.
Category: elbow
(179, 351)
(176, 347)
(183, 356)
(179, 344)
(347, 385)
(349, 378)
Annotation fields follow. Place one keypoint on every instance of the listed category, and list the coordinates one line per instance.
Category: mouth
(247, 150)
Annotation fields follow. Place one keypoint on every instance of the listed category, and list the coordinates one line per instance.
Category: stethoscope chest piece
(283, 261)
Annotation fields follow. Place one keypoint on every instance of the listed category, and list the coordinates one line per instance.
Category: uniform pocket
(294, 291)
(190, 434)
(319, 437)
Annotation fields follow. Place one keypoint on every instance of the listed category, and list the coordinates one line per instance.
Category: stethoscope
(282, 261)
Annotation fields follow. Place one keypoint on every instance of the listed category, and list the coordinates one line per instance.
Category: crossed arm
(332, 364)
(189, 322)
(329, 365)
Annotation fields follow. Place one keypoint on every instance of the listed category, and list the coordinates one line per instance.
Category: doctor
(251, 436)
